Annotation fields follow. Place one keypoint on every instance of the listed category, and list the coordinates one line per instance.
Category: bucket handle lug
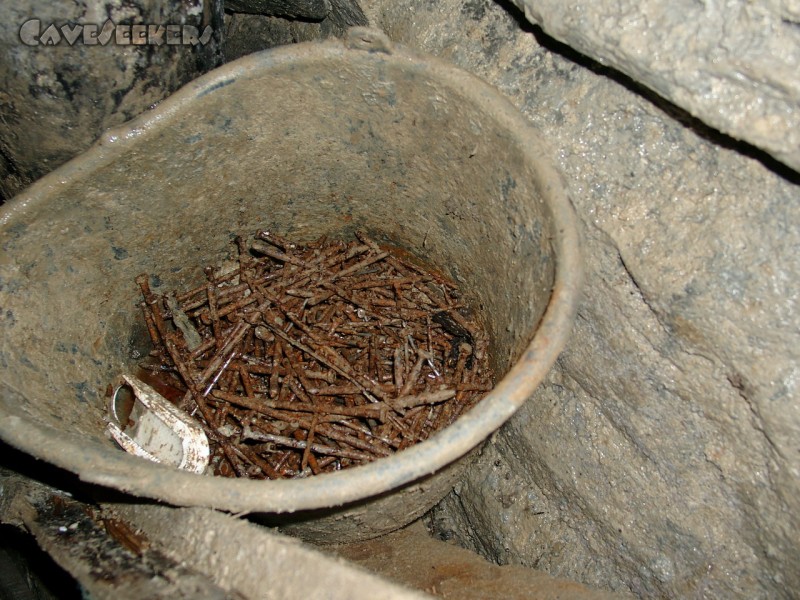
(366, 38)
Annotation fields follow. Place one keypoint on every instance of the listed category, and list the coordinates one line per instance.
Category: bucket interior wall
(304, 149)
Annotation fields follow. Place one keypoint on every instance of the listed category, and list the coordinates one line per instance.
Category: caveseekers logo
(34, 33)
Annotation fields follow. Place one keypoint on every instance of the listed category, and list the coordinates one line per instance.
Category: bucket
(312, 139)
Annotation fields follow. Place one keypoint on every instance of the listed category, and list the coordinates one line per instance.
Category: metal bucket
(307, 140)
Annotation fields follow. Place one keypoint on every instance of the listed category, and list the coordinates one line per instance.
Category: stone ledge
(735, 66)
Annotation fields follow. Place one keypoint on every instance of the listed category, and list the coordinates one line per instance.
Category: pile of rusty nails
(304, 359)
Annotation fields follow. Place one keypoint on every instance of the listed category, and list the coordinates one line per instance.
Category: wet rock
(661, 456)
(56, 99)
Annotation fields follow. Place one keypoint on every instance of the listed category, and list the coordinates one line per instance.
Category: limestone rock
(56, 100)
(246, 33)
(661, 457)
(735, 65)
(305, 9)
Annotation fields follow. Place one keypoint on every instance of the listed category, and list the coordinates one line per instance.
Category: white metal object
(159, 431)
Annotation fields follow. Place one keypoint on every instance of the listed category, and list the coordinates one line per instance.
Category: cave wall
(59, 94)
(735, 65)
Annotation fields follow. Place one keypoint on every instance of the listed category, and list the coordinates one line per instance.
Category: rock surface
(304, 9)
(56, 100)
(247, 33)
(735, 65)
(414, 559)
(661, 457)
